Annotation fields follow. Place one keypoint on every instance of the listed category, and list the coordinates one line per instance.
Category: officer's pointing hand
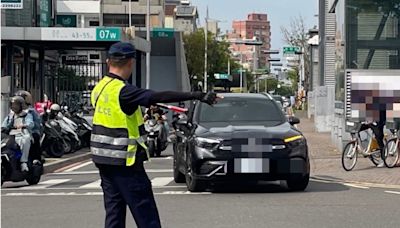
(211, 98)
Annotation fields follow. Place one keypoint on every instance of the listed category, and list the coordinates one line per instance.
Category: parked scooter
(68, 128)
(84, 129)
(10, 163)
(52, 141)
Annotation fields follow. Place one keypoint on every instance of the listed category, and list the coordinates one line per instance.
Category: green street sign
(163, 32)
(66, 20)
(108, 34)
(222, 76)
(45, 13)
(290, 50)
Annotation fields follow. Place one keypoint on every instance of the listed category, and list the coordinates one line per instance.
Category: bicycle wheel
(376, 158)
(391, 153)
(349, 156)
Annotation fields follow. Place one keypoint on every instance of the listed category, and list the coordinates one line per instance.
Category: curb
(365, 184)
(51, 167)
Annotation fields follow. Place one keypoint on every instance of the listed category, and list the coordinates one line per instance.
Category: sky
(279, 13)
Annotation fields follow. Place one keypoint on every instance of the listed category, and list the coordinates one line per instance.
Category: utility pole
(266, 83)
(148, 40)
(130, 13)
(205, 51)
(229, 66)
(241, 72)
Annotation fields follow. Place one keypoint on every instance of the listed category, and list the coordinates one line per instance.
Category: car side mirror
(294, 120)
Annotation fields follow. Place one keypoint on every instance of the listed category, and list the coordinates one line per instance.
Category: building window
(94, 23)
(139, 20)
(118, 20)
(122, 20)
(366, 20)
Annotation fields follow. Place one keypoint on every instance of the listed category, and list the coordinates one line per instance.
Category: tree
(293, 76)
(217, 60)
(297, 35)
(68, 80)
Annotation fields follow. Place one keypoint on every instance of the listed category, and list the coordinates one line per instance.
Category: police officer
(117, 145)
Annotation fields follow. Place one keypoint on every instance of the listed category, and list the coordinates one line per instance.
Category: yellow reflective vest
(115, 135)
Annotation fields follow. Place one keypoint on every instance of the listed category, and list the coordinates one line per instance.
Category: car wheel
(297, 182)
(178, 176)
(192, 183)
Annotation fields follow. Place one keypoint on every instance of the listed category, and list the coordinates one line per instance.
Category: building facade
(256, 26)
(116, 13)
(365, 39)
(181, 16)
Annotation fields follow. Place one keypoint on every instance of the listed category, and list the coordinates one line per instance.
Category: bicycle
(355, 147)
(391, 151)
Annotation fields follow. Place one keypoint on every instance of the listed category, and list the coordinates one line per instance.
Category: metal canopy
(54, 38)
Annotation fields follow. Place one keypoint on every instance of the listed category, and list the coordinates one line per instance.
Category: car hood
(279, 131)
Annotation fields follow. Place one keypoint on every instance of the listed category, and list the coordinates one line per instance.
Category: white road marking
(160, 158)
(94, 184)
(161, 181)
(182, 193)
(98, 193)
(159, 170)
(364, 184)
(48, 183)
(76, 173)
(356, 186)
(96, 172)
(28, 188)
(393, 192)
(78, 166)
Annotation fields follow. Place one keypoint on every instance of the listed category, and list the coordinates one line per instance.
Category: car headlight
(207, 143)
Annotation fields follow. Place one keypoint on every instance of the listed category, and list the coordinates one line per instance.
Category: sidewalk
(326, 160)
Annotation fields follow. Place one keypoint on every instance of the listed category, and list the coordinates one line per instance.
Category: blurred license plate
(251, 165)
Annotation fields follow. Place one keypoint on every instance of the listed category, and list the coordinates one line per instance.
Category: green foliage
(285, 91)
(297, 35)
(293, 76)
(249, 80)
(69, 81)
(218, 55)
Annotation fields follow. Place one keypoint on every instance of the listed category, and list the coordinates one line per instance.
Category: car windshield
(237, 110)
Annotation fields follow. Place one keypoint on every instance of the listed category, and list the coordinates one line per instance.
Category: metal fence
(72, 84)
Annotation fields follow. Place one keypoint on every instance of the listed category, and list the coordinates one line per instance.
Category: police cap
(122, 50)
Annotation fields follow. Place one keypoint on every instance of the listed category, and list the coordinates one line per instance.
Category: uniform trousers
(128, 186)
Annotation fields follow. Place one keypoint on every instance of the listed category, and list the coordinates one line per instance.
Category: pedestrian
(117, 143)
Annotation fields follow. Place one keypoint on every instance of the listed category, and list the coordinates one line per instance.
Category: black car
(245, 137)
